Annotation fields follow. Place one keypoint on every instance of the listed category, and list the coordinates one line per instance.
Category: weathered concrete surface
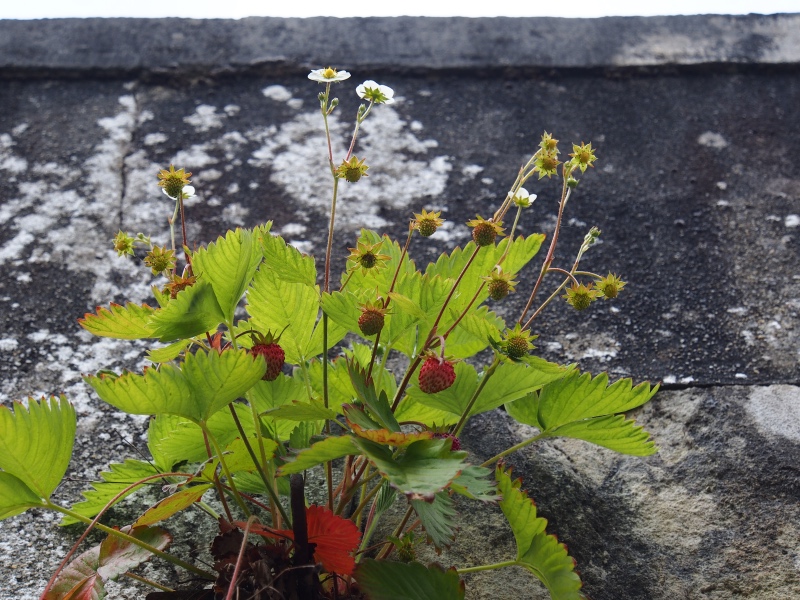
(696, 192)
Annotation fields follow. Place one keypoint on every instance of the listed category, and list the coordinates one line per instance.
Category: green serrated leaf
(328, 449)
(275, 304)
(193, 311)
(538, 552)
(438, 519)
(525, 410)
(15, 496)
(473, 483)
(172, 439)
(300, 437)
(119, 556)
(238, 459)
(512, 381)
(425, 468)
(579, 396)
(36, 442)
(113, 482)
(416, 409)
(385, 499)
(266, 395)
(473, 332)
(228, 265)
(614, 432)
(172, 504)
(289, 264)
(168, 353)
(204, 384)
(129, 322)
(302, 411)
(386, 580)
(454, 399)
(377, 404)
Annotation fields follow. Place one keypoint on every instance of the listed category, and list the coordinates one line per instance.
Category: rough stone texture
(696, 192)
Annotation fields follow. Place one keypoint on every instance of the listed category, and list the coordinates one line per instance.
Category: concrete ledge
(121, 47)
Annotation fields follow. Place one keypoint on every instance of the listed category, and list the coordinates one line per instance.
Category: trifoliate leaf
(438, 519)
(36, 443)
(512, 381)
(386, 580)
(425, 468)
(193, 311)
(328, 449)
(614, 432)
(228, 265)
(577, 397)
(473, 483)
(129, 322)
(204, 384)
(538, 552)
(15, 496)
(289, 264)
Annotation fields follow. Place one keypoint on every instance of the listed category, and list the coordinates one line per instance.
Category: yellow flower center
(329, 73)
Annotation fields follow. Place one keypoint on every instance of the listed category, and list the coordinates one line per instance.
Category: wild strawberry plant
(262, 373)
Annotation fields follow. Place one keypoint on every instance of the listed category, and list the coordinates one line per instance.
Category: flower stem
(511, 450)
(224, 466)
(268, 484)
(500, 565)
(487, 374)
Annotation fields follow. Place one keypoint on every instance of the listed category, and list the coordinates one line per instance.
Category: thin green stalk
(511, 450)
(464, 417)
(268, 483)
(325, 399)
(500, 565)
(550, 298)
(129, 538)
(371, 494)
(224, 466)
(432, 334)
(388, 547)
(149, 582)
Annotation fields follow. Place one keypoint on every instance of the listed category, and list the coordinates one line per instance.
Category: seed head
(160, 259)
(517, 343)
(123, 243)
(366, 257)
(499, 284)
(484, 231)
(427, 222)
(173, 181)
(580, 296)
(610, 286)
(352, 170)
(583, 156)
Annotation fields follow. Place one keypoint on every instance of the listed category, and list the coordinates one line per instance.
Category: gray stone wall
(696, 190)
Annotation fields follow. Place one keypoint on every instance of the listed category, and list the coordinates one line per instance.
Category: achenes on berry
(499, 284)
(517, 343)
(485, 231)
(372, 318)
(436, 375)
(160, 259)
(268, 347)
(173, 181)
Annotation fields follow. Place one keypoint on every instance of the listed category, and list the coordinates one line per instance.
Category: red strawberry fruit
(436, 375)
(268, 347)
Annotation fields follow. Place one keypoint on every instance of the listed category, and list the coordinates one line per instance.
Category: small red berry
(371, 320)
(456, 442)
(436, 375)
(273, 355)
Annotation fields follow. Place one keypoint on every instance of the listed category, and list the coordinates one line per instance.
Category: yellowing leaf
(129, 322)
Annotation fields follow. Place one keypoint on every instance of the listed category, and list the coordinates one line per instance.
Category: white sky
(37, 9)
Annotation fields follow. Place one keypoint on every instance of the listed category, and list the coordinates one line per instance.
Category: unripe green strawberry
(517, 346)
(427, 222)
(484, 232)
(273, 355)
(498, 289)
(436, 375)
(371, 320)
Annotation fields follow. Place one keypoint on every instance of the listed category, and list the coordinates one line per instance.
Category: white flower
(523, 198)
(187, 192)
(328, 75)
(379, 94)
